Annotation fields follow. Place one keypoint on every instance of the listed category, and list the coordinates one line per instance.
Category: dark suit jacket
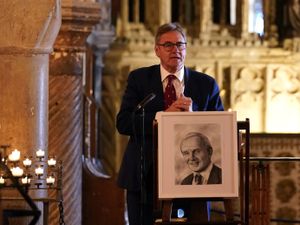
(215, 177)
(200, 87)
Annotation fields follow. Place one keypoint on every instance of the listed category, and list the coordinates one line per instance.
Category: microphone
(145, 101)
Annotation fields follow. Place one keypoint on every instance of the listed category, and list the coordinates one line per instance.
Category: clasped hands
(181, 104)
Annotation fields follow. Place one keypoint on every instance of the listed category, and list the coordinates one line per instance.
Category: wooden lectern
(163, 207)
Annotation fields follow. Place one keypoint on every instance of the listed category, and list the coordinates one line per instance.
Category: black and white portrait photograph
(197, 154)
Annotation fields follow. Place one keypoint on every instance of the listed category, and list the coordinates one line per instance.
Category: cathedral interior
(64, 66)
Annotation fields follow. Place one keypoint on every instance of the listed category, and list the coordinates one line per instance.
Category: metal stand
(142, 159)
(13, 182)
(34, 212)
(143, 166)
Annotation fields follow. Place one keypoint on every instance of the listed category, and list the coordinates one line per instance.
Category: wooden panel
(103, 201)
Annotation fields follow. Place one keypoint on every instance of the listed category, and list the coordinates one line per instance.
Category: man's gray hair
(203, 140)
(165, 28)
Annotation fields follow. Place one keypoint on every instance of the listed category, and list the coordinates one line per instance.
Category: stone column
(67, 68)
(205, 19)
(28, 32)
(164, 12)
(244, 18)
(99, 40)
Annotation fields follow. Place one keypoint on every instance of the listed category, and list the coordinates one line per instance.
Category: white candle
(39, 171)
(50, 180)
(16, 171)
(25, 180)
(14, 156)
(40, 153)
(27, 162)
(52, 162)
(2, 180)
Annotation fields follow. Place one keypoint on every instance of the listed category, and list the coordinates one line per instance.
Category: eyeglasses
(168, 46)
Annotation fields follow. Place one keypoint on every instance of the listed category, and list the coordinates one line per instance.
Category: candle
(27, 162)
(40, 153)
(2, 180)
(50, 180)
(16, 171)
(14, 156)
(25, 180)
(52, 162)
(39, 171)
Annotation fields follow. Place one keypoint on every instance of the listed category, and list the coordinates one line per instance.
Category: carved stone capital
(29, 28)
(78, 19)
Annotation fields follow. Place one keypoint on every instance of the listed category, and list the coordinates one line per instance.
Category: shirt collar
(164, 73)
(205, 174)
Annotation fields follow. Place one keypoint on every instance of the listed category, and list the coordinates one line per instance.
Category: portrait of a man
(197, 151)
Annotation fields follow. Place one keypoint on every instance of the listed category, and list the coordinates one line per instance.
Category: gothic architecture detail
(28, 34)
(67, 71)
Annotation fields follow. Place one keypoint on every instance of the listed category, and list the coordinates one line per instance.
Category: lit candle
(16, 171)
(25, 180)
(39, 171)
(50, 180)
(40, 153)
(27, 162)
(2, 180)
(52, 162)
(14, 156)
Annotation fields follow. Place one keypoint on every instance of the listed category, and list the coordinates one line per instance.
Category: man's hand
(181, 104)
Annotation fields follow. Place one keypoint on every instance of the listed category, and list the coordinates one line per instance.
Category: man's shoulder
(146, 69)
(188, 179)
(194, 74)
(216, 169)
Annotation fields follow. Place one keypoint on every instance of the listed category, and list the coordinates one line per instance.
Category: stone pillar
(67, 68)
(123, 21)
(28, 32)
(164, 9)
(100, 40)
(244, 18)
(205, 19)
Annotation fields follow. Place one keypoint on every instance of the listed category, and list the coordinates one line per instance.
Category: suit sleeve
(128, 122)
(215, 102)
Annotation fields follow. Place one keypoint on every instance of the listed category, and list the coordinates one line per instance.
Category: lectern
(163, 207)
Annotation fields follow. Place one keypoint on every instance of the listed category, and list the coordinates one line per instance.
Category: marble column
(28, 32)
(67, 69)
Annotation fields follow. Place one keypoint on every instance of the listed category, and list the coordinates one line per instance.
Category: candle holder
(31, 173)
(36, 168)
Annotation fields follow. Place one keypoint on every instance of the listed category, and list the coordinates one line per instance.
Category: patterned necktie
(198, 179)
(170, 93)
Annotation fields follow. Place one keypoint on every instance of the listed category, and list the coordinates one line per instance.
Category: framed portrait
(197, 154)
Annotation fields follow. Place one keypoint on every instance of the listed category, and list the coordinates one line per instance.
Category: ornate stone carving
(283, 92)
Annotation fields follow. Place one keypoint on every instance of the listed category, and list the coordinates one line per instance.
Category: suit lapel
(157, 87)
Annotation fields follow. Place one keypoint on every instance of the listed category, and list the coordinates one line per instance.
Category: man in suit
(197, 151)
(194, 92)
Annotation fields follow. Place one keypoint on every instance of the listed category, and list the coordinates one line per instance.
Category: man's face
(171, 59)
(197, 157)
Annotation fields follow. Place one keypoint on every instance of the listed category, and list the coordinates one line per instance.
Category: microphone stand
(141, 106)
(143, 168)
(143, 193)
